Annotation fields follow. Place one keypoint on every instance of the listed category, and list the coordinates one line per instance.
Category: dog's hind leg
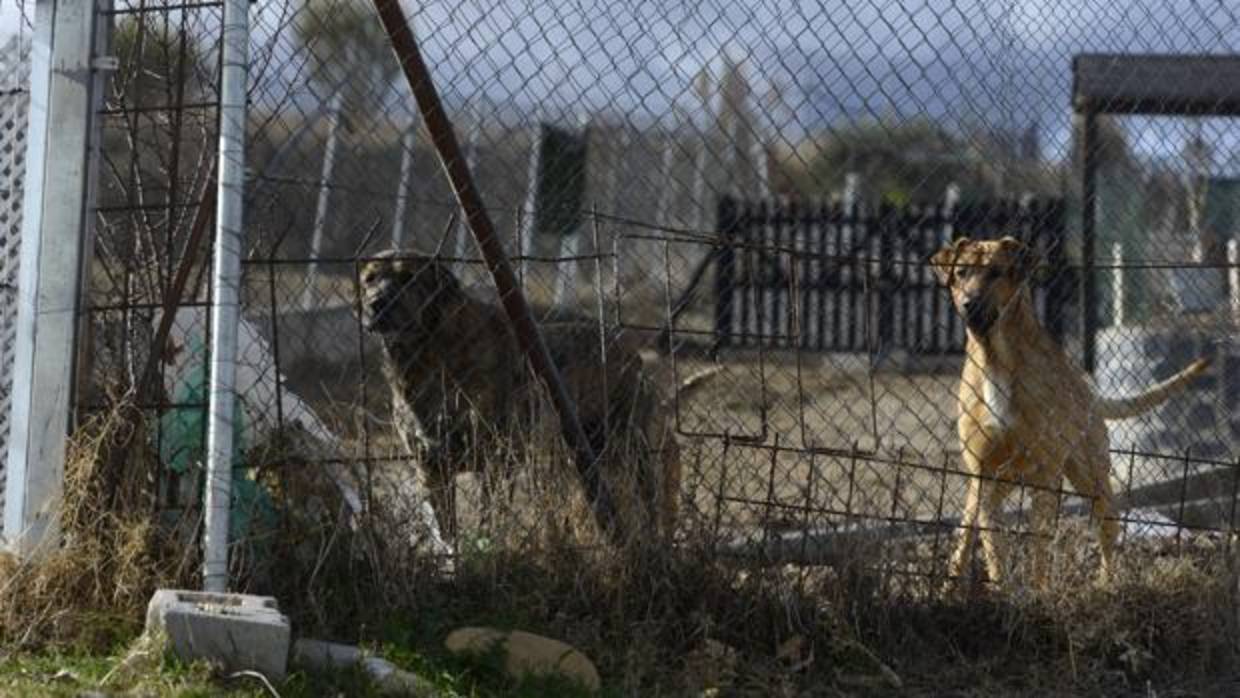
(669, 509)
(1045, 506)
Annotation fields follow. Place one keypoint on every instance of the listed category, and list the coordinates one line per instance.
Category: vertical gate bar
(886, 278)
(849, 233)
(924, 284)
(806, 288)
(821, 229)
(775, 285)
(725, 272)
(837, 278)
(1089, 213)
(745, 229)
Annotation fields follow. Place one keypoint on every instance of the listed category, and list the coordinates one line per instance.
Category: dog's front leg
(985, 497)
(962, 557)
(994, 492)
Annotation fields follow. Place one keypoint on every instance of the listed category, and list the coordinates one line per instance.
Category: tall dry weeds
(88, 586)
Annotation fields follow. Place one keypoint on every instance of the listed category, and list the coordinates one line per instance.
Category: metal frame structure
(1136, 85)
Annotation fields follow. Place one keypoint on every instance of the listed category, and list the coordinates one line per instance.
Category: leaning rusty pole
(456, 167)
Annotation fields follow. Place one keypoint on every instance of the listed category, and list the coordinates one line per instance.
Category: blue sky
(1003, 63)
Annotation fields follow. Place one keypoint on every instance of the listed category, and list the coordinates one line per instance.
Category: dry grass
(91, 590)
(656, 620)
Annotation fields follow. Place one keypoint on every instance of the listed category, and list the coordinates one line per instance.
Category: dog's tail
(695, 381)
(1123, 408)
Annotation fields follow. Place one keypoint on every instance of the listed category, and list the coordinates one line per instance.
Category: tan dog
(462, 391)
(1027, 415)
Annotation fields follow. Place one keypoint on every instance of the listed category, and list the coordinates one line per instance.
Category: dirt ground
(776, 441)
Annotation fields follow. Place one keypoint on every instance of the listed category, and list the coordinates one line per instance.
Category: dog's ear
(434, 289)
(1024, 257)
(446, 279)
(943, 262)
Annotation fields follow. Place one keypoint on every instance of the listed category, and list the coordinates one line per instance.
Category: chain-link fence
(14, 105)
(735, 223)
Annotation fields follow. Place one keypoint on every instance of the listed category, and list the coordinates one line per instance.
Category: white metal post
(1233, 278)
(568, 268)
(61, 152)
(463, 235)
(407, 143)
(226, 283)
(527, 229)
(951, 199)
(761, 166)
(1117, 281)
(699, 183)
(656, 249)
(566, 279)
(325, 191)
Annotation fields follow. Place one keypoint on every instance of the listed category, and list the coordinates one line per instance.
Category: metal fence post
(325, 192)
(407, 143)
(1233, 278)
(472, 142)
(888, 218)
(1089, 217)
(527, 230)
(226, 283)
(1117, 281)
(65, 89)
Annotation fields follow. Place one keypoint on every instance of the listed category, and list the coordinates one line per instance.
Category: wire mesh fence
(14, 105)
(725, 217)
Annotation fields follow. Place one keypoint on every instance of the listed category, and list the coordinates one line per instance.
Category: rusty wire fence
(745, 195)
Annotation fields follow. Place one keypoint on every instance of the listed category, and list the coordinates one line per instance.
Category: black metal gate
(823, 278)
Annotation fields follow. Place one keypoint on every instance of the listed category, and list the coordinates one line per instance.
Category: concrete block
(237, 631)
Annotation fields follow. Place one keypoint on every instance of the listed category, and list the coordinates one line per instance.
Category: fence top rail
(1025, 219)
(1156, 84)
(791, 208)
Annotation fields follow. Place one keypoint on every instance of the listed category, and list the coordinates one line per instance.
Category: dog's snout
(976, 315)
(970, 306)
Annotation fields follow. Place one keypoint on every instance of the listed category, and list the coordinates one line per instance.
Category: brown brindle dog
(1027, 414)
(461, 392)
